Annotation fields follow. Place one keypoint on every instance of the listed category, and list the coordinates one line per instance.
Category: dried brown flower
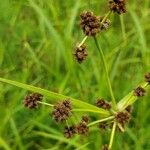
(85, 119)
(105, 25)
(129, 109)
(139, 91)
(103, 125)
(147, 78)
(69, 132)
(118, 6)
(103, 104)
(105, 147)
(82, 128)
(31, 100)
(80, 53)
(123, 117)
(62, 111)
(90, 23)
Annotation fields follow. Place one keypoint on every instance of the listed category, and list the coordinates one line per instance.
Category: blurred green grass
(37, 39)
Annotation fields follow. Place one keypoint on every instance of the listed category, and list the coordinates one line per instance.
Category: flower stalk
(112, 135)
(106, 72)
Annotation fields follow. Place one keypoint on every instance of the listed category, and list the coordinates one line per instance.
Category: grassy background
(37, 38)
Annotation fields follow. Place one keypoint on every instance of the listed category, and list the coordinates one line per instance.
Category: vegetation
(40, 55)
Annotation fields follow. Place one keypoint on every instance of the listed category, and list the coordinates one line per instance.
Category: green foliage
(37, 42)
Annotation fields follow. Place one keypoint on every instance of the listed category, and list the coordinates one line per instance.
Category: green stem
(112, 135)
(102, 120)
(83, 41)
(44, 103)
(105, 17)
(121, 128)
(106, 72)
(123, 27)
(88, 110)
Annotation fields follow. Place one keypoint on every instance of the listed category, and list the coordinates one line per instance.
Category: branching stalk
(105, 17)
(102, 120)
(106, 72)
(44, 103)
(82, 42)
(112, 135)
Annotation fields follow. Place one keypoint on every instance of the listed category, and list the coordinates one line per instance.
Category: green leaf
(4, 144)
(55, 96)
(129, 99)
(55, 137)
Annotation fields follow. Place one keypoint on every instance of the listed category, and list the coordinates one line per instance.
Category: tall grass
(37, 39)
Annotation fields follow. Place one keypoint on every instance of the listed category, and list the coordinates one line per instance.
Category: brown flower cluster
(147, 78)
(139, 91)
(129, 109)
(103, 125)
(62, 111)
(101, 103)
(81, 128)
(85, 119)
(104, 25)
(81, 53)
(123, 117)
(118, 6)
(31, 100)
(90, 23)
(69, 132)
(105, 147)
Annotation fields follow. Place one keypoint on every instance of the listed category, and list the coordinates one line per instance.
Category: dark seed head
(147, 78)
(90, 23)
(118, 6)
(69, 132)
(62, 111)
(103, 104)
(85, 119)
(123, 117)
(82, 128)
(139, 91)
(31, 101)
(129, 109)
(105, 147)
(80, 53)
(105, 25)
(103, 125)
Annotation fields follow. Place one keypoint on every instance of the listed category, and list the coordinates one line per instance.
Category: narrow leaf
(56, 96)
(129, 99)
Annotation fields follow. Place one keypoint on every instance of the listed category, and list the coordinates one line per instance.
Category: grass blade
(56, 96)
(56, 137)
(4, 144)
(129, 99)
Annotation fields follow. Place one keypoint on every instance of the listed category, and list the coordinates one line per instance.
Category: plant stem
(106, 72)
(121, 128)
(44, 103)
(89, 110)
(82, 42)
(105, 17)
(102, 120)
(123, 28)
(112, 135)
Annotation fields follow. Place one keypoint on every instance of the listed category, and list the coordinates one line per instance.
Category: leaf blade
(56, 96)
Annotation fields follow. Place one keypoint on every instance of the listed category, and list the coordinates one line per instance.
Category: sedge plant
(114, 115)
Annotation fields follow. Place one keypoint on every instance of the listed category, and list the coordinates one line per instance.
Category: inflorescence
(62, 111)
(80, 53)
(90, 23)
(31, 100)
(118, 6)
(101, 103)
